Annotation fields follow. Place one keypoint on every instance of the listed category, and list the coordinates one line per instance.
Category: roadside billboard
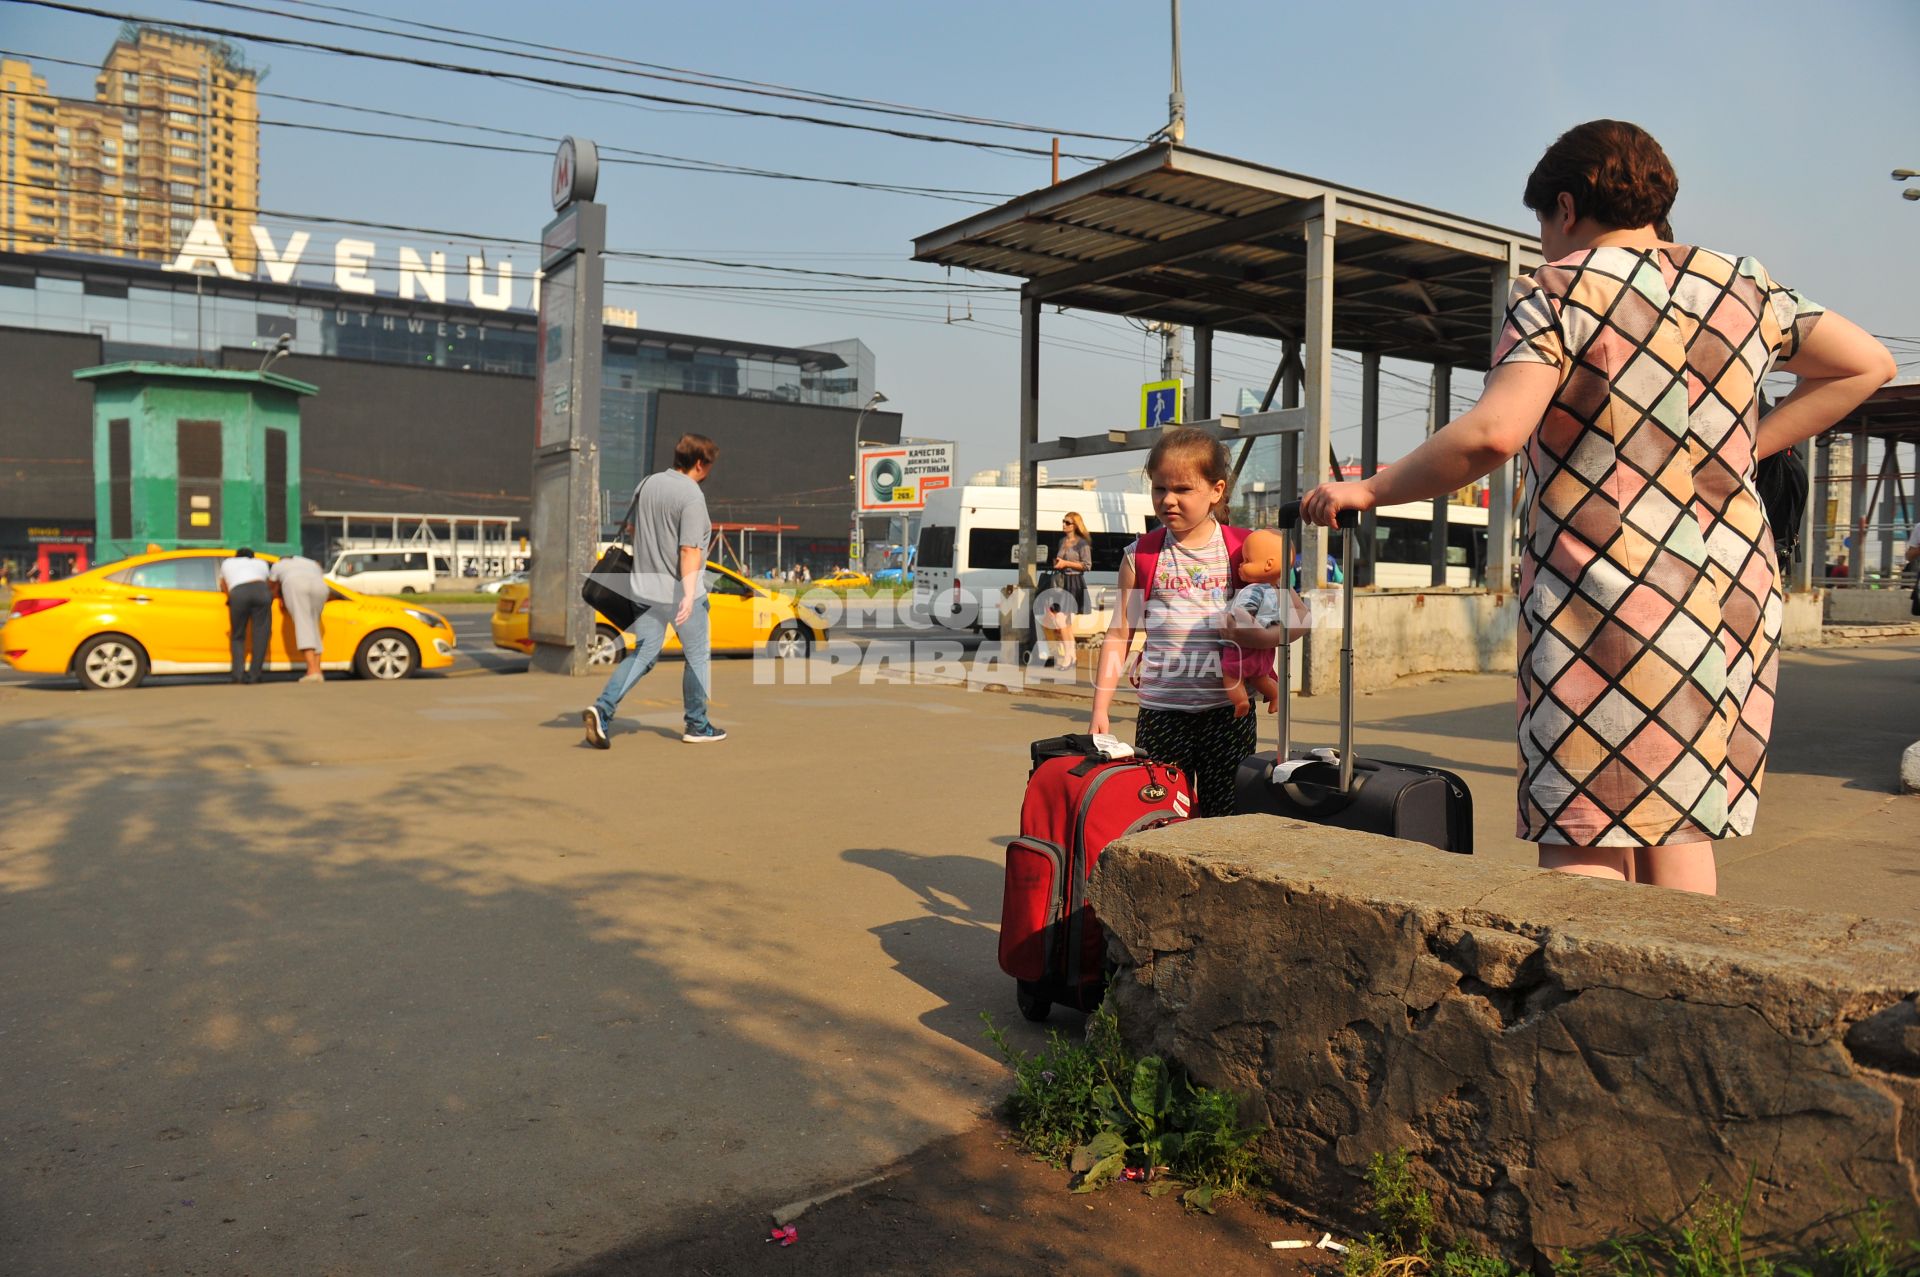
(896, 478)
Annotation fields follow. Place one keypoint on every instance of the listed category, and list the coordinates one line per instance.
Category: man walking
(670, 535)
(243, 579)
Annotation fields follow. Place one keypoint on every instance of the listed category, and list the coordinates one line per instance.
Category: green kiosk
(194, 457)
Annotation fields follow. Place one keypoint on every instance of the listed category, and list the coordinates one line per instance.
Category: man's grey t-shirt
(672, 513)
(296, 566)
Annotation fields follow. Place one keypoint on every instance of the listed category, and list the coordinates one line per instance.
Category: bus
(969, 546)
(1402, 539)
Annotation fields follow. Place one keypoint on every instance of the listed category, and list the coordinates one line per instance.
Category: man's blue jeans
(651, 631)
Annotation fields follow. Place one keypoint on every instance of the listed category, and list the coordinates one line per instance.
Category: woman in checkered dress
(1629, 372)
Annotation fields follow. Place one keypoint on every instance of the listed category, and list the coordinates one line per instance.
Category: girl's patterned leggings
(1207, 744)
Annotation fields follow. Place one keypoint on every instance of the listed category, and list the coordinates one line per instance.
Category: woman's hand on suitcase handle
(1325, 504)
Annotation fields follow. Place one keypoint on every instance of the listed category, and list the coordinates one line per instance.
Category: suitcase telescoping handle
(1288, 517)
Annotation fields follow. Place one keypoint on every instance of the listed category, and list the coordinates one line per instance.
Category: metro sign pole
(566, 454)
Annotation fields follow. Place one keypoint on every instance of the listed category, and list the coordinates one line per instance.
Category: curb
(1836, 635)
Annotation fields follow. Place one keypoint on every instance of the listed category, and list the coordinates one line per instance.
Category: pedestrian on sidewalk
(1629, 372)
(670, 534)
(243, 579)
(1067, 592)
(301, 586)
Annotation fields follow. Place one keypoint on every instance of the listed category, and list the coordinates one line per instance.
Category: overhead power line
(612, 155)
(517, 77)
(451, 236)
(644, 70)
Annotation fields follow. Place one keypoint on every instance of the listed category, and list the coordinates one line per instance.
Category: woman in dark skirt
(1067, 595)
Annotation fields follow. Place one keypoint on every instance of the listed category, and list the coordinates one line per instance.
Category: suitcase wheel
(1034, 1004)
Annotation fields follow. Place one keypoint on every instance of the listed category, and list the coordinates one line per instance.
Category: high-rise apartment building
(29, 160)
(173, 134)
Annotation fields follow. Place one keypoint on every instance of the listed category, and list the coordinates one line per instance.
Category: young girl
(1186, 716)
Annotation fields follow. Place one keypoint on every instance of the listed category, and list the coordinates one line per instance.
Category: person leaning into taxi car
(243, 580)
(301, 586)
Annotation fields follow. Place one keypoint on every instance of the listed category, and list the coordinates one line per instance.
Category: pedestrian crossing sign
(1159, 404)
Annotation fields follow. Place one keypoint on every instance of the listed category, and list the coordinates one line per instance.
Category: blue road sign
(1159, 404)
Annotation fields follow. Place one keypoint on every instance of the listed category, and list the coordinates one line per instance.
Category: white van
(1402, 537)
(969, 546)
(395, 570)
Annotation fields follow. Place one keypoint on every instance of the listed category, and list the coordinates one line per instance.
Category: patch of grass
(1708, 1240)
(1108, 1116)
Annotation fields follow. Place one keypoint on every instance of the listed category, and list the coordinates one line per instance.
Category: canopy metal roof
(1194, 238)
(1891, 413)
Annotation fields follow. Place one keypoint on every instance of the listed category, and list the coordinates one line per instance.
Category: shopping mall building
(425, 406)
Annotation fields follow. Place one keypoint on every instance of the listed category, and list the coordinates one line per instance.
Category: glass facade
(847, 386)
(140, 312)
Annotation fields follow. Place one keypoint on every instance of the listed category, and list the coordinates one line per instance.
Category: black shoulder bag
(608, 589)
(1782, 483)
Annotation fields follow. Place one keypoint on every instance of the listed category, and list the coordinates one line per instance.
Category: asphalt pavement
(371, 978)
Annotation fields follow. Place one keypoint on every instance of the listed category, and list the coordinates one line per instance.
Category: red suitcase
(1082, 793)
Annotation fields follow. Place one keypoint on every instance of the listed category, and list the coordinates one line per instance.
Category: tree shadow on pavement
(297, 1005)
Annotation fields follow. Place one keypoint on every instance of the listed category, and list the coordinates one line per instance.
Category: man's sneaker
(596, 727)
(702, 735)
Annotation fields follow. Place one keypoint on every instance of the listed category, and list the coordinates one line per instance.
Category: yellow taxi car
(842, 579)
(163, 613)
(742, 618)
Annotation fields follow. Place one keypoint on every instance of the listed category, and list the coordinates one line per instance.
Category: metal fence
(1862, 509)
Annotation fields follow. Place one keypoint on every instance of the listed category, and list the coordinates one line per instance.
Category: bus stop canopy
(1217, 244)
(1202, 240)
(1891, 413)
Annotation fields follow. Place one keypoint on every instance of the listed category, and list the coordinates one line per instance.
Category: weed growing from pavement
(1108, 1116)
(1709, 1240)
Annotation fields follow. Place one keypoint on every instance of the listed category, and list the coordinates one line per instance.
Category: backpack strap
(1236, 539)
(1146, 560)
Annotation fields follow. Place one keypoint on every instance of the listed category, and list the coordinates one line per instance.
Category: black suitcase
(1333, 787)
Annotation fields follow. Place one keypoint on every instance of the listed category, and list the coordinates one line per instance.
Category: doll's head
(1263, 558)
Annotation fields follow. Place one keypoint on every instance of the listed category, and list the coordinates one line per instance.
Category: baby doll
(1259, 603)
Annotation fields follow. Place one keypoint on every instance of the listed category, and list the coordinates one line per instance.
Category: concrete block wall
(1567, 1059)
(1869, 607)
(1402, 632)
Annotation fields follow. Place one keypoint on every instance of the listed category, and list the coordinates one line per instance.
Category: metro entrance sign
(895, 479)
(566, 426)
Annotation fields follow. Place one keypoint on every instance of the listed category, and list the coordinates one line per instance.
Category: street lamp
(853, 538)
(1907, 175)
(281, 350)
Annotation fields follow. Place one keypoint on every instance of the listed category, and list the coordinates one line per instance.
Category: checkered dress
(1650, 604)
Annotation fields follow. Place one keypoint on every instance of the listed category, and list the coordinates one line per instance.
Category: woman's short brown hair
(1616, 173)
(693, 449)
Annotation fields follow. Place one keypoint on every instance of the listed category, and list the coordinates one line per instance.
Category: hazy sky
(1783, 121)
